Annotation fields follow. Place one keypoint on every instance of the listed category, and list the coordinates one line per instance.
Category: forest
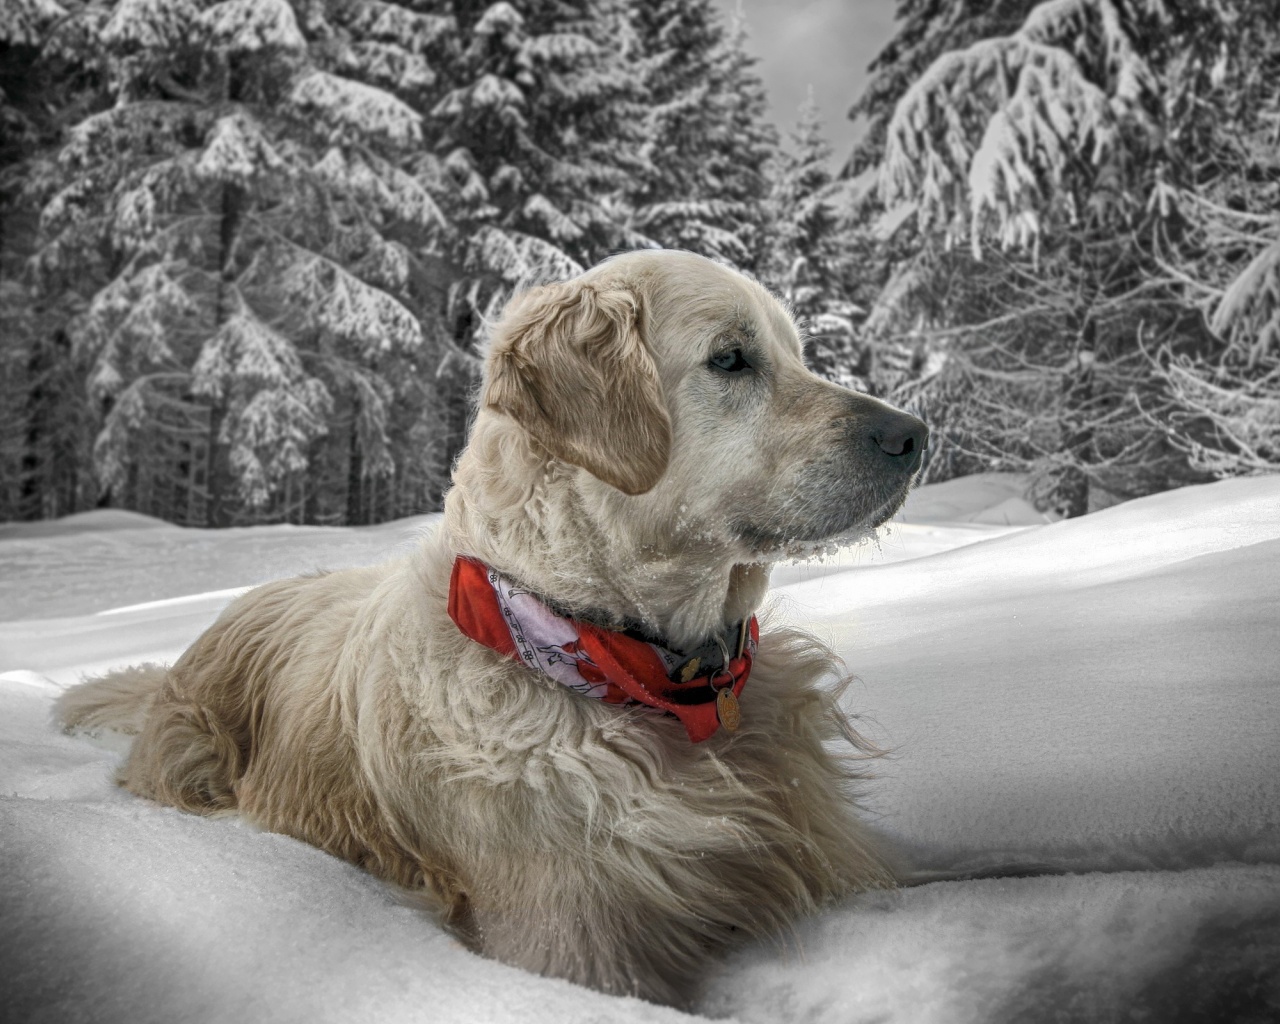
(250, 249)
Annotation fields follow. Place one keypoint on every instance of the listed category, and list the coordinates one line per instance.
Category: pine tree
(703, 183)
(1043, 123)
(535, 136)
(927, 29)
(1220, 245)
(1062, 141)
(43, 427)
(402, 50)
(809, 251)
(229, 220)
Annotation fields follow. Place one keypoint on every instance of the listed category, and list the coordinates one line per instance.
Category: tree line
(250, 249)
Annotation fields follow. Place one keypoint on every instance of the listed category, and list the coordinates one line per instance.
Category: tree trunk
(355, 478)
(1072, 488)
(218, 474)
(35, 456)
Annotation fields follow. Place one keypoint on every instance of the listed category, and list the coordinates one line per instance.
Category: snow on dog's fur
(648, 441)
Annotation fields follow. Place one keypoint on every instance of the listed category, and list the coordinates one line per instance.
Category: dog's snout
(900, 436)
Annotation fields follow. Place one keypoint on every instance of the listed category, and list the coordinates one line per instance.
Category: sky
(826, 44)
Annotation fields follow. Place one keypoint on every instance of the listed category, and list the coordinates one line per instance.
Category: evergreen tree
(703, 183)
(926, 30)
(44, 432)
(535, 135)
(1219, 247)
(742, 144)
(810, 249)
(1065, 142)
(1018, 135)
(404, 51)
(229, 222)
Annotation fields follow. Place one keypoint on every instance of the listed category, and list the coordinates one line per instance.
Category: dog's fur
(615, 471)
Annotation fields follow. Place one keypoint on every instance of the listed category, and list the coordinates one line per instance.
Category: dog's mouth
(839, 527)
(890, 508)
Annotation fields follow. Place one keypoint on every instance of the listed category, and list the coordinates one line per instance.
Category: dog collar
(701, 688)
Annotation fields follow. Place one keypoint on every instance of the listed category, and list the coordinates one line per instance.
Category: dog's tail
(118, 700)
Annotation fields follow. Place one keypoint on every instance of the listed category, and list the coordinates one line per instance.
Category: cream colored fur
(613, 471)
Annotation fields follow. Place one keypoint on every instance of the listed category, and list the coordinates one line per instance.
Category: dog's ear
(568, 362)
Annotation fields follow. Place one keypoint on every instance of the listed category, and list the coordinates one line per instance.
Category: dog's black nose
(900, 436)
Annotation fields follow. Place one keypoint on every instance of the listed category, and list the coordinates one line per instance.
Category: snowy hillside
(1084, 787)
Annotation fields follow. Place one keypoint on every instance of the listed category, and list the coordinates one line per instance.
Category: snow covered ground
(1085, 787)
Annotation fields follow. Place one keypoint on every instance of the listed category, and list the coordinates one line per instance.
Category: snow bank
(95, 521)
(116, 910)
(995, 499)
(1085, 725)
(1162, 947)
(1100, 693)
(97, 560)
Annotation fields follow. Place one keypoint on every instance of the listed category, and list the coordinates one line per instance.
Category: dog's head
(678, 388)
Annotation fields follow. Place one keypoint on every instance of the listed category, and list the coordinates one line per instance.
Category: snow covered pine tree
(226, 220)
(44, 430)
(810, 257)
(706, 144)
(535, 142)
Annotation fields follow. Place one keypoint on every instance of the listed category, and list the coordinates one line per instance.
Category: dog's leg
(181, 755)
(184, 756)
(198, 733)
(567, 917)
(654, 936)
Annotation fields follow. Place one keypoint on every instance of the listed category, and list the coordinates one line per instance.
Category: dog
(557, 722)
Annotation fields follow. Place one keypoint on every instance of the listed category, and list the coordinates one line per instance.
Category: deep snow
(1085, 784)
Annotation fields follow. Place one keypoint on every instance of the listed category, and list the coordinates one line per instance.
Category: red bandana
(601, 663)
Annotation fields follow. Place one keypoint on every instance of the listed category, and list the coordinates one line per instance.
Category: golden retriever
(648, 441)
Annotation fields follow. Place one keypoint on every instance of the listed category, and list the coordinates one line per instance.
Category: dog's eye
(731, 361)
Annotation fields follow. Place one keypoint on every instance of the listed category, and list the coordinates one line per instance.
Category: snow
(1083, 790)
(351, 309)
(1034, 100)
(1250, 307)
(346, 105)
(25, 22)
(247, 26)
(148, 23)
(237, 152)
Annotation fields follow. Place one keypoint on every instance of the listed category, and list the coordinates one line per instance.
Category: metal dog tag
(727, 709)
